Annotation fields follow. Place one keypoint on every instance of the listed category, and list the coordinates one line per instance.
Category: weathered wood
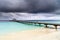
(39, 24)
(46, 26)
(43, 23)
(55, 27)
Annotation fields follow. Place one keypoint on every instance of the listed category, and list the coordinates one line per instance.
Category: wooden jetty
(45, 23)
(54, 24)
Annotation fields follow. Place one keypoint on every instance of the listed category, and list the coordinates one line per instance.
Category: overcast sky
(30, 9)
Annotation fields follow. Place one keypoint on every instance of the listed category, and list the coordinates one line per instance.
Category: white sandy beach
(37, 34)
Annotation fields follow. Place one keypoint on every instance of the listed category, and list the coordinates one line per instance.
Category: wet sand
(37, 34)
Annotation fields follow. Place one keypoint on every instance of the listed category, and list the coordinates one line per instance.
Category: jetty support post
(55, 27)
(39, 24)
(46, 26)
(34, 23)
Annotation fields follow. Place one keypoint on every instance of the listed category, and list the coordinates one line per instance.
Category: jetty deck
(45, 23)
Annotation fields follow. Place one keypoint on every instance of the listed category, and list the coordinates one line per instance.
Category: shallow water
(7, 27)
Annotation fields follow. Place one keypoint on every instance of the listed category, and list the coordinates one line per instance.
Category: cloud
(29, 16)
(39, 10)
(12, 5)
(32, 6)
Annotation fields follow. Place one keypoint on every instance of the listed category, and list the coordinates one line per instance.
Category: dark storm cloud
(12, 5)
(28, 5)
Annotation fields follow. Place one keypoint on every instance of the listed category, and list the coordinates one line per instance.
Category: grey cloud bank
(33, 6)
(29, 16)
(30, 9)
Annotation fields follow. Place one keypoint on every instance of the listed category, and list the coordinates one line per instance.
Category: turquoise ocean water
(7, 27)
